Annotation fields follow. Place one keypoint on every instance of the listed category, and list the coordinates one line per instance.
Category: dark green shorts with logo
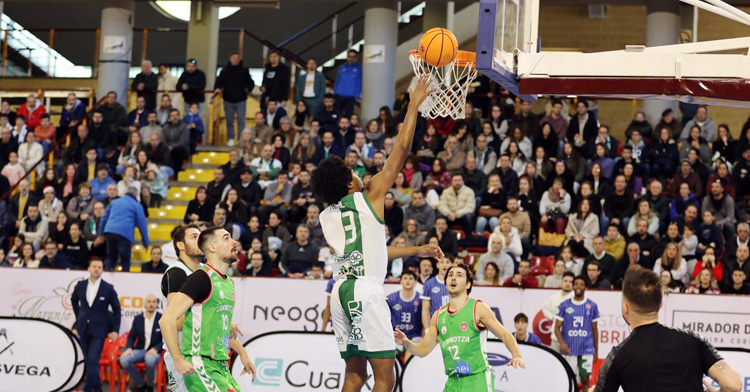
(210, 376)
(480, 382)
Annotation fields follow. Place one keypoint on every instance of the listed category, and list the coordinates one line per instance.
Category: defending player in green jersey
(461, 330)
(207, 301)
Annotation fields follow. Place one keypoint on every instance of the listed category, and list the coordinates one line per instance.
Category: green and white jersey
(207, 323)
(357, 236)
(463, 343)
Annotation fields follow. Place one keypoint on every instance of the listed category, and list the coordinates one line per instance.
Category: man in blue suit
(144, 345)
(91, 301)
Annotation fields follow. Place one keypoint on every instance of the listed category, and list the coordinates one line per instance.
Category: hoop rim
(464, 58)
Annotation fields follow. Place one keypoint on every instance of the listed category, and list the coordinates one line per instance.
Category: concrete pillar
(203, 41)
(116, 49)
(434, 14)
(662, 28)
(379, 56)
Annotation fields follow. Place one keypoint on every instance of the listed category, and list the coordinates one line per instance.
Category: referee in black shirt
(657, 358)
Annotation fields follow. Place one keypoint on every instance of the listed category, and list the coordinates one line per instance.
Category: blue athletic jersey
(577, 319)
(406, 315)
(329, 286)
(531, 338)
(436, 292)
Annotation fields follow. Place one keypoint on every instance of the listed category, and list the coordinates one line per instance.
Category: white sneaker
(230, 143)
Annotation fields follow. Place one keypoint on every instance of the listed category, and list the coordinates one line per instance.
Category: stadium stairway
(164, 219)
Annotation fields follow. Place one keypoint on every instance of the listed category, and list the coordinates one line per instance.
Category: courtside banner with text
(427, 374)
(295, 361)
(38, 356)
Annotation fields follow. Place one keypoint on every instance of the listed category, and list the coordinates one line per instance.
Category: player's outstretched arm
(487, 318)
(424, 347)
(425, 314)
(247, 364)
(433, 251)
(725, 376)
(181, 320)
(175, 310)
(383, 181)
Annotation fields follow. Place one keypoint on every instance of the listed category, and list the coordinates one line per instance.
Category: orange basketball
(438, 46)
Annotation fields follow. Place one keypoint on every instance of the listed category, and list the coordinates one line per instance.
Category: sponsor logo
(542, 327)
(269, 371)
(569, 310)
(281, 313)
(463, 368)
(355, 311)
(496, 359)
(16, 369)
(7, 347)
(464, 326)
(436, 290)
(272, 372)
(356, 336)
(397, 307)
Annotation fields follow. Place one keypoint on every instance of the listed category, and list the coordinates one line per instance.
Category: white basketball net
(452, 82)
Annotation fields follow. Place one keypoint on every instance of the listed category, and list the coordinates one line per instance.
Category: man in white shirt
(313, 89)
(144, 345)
(552, 304)
(168, 82)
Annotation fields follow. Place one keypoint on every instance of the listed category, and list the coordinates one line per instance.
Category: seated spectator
(144, 345)
(721, 204)
(672, 260)
(437, 179)
(156, 264)
(593, 277)
(177, 139)
(457, 203)
(635, 183)
(554, 281)
(743, 238)
(474, 178)
(493, 200)
(602, 186)
(128, 181)
(555, 119)
(151, 127)
(420, 211)
(53, 258)
(523, 278)
(235, 208)
(13, 171)
(26, 259)
(554, 207)
(50, 206)
(739, 283)
(524, 143)
(664, 155)
(705, 283)
(154, 189)
(638, 151)
(686, 175)
(76, 247)
(102, 181)
(708, 261)
(618, 204)
(660, 204)
(129, 154)
(298, 256)
(277, 197)
(402, 193)
(138, 117)
(313, 224)
(561, 172)
(275, 236)
(641, 125)
(694, 141)
(58, 229)
(34, 226)
(575, 163)
(452, 155)
(509, 237)
(689, 243)
(602, 137)
(548, 140)
(541, 163)
(601, 156)
(29, 153)
(274, 114)
(673, 234)
(5, 124)
(266, 168)
(644, 212)
(257, 266)
(484, 154)
(328, 148)
(199, 209)
(740, 261)
(74, 111)
(32, 110)
(91, 231)
(162, 112)
(463, 136)
(87, 168)
(680, 202)
(79, 144)
(503, 263)
(491, 275)
(725, 144)
(699, 168)
(614, 243)
(670, 285)
(447, 239)
(607, 263)
(411, 234)
(281, 152)
(581, 229)
(393, 215)
(159, 154)
(7, 144)
(646, 242)
(709, 235)
(428, 146)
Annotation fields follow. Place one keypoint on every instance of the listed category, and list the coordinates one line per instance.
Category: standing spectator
(526, 121)
(495, 254)
(457, 203)
(144, 345)
(348, 85)
(194, 122)
(234, 83)
(118, 226)
(582, 127)
(5, 109)
(298, 257)
(313, 89)
(576, 328)
(706, 124)
(556, 120)
(523, 279)
(177, 139)
(275, 85)
(114, 118)
(156, 264)
(521, 323)
(46, 132)
(145, 84)
(32, 111)
(168, 82)
(191, 84)
(91, 300)
(552, 304)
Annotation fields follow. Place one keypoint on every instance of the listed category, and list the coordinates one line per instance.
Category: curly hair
(330, 181)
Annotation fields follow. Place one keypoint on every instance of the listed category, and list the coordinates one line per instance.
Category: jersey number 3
(350, 228)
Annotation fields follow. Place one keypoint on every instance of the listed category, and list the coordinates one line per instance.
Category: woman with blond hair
(672, 261)
(705, 283)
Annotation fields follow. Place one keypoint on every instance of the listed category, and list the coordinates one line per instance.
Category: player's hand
(433, 251)
(152, 352)
(249, 368)
(564, 349)
(183, 366)
(709, 387)
(517, 362)
(400, 337)
(234, 331)
(75, 331)
(128, 352)
(422, 91)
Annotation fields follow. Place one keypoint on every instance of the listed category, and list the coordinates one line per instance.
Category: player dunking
(206, 300)
(353, 225)
(461, 329)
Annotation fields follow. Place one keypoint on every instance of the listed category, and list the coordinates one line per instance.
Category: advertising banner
(38, 356)
(296, 361)
(426, 374)
(722, 320)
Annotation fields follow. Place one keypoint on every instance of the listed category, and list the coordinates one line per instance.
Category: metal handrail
(314, 25)
(328, 37)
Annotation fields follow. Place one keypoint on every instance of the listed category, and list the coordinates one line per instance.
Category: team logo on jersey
(221, 294)
(588, 306)
(464, 326)
(355, 311)
(444, 330)
(416, 302)
(356, 337)
(396, 307)
(569, 310)
(436, 290)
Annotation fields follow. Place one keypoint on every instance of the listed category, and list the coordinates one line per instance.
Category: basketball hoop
(452, 82)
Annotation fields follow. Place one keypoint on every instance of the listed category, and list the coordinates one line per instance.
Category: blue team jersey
(436, 292)
(531, 338)
(577, 319)
(329, 286)
(406, 314)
